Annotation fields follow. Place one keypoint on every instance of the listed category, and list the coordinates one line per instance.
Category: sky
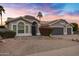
(50, 11)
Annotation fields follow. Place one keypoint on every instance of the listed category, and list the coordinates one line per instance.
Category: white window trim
(23, 26)
(28, 28)
(12, 27)
(17, 26)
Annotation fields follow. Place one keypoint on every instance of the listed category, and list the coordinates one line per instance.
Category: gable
(26, 18)
(16, 20)
(31, 18)
(59, 23)
(62, 22)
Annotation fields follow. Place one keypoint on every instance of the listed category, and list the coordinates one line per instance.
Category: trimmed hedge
(45, 31)
(76, 32)
(2, 26)
(5, 33)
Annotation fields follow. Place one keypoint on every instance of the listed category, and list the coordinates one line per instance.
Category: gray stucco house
(29, 26)
(60, 27)
(24, 26)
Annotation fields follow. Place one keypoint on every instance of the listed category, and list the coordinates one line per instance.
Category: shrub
(5, 33)
(2, 26)
(45, 31)
(76, 32)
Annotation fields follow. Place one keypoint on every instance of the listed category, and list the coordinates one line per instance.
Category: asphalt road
(69, 51)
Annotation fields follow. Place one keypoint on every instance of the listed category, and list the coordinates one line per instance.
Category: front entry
(34, 29)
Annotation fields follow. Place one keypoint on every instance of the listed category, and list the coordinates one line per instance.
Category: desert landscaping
(39, 29)
(29, 45)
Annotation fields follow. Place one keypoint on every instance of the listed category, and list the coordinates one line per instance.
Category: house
(29, 26)
(24, 26)
(60, 27)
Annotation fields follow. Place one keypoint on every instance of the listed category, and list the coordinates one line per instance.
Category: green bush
(2, 26)
(5, 33)
(45, 31)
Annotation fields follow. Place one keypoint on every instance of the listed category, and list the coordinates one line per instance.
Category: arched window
(20, 27)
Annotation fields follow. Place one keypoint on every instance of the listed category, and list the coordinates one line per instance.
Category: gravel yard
(29, 45)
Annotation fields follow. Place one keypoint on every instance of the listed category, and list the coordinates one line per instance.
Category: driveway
(69, 51)
(23, 46)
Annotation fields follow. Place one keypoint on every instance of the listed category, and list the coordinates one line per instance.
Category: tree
(39, 15)
(75, 26)
(2, 10)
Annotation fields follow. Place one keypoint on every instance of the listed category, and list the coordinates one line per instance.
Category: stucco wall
(25, 23)
(62, 24)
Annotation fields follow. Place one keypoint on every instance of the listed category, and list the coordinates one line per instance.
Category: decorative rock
(73, 40)
(77, 40)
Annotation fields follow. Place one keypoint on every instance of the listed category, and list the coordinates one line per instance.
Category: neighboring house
(24, 26)
(60, 27)
(29, 26)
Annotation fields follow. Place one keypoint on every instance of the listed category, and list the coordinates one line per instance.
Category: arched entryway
(34, 28)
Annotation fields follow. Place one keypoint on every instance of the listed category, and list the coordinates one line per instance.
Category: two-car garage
(61, 27)
(57, 31)
(60, 31)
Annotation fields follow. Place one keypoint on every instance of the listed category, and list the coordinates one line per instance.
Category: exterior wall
(21, 34)
(8, 26)
(25, 23)
(68, 26)
(63, 25)
(65, 30)
(38, 31)
(60, 23)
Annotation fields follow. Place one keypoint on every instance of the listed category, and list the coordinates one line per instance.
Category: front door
(34, 28)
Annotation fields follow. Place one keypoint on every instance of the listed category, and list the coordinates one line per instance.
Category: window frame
(20, 26)
(15, 28)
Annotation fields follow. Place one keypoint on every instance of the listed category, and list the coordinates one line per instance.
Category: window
(21, 27)
(14, 28)
(26, 28)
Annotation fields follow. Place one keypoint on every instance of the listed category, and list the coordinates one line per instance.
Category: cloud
(51, 11)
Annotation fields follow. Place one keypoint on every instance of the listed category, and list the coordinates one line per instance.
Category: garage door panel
(69, 31)
(57, 31)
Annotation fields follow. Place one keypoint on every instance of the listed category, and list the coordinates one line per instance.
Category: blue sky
(51, 11)
(69, 8)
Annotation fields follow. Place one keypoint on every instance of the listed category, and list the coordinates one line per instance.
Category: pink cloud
(68, 18)
(18, 12)
(10, 12)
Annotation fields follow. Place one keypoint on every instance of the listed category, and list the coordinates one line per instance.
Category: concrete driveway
(69, 51)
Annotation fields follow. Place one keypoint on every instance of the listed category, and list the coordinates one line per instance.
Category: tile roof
(31, 18)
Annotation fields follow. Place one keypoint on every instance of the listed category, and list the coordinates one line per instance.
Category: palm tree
(1, 11)
(39, 15)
